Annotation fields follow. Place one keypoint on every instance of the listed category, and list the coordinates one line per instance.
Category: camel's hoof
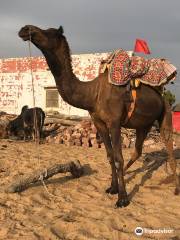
(177, 191)
(112, 190)
(124, 202)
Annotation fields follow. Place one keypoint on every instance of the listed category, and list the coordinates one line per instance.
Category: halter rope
(41, 177)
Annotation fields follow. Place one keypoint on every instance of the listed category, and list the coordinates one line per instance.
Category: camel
(106, 104)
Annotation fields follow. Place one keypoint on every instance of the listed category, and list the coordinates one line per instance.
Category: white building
(16, 89)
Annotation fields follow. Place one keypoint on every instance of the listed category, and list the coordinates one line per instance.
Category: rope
(36, 134)
(30, 60)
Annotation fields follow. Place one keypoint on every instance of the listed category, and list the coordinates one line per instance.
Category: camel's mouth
(24, 36)
(24, 33)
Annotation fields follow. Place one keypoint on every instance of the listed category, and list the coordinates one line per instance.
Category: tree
(169, 97)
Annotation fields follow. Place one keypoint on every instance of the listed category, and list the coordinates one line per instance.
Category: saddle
(126, 69)
(122, 67)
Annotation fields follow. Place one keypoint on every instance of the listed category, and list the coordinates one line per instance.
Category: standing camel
(106, 104)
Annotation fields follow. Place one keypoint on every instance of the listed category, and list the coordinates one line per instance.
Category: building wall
(16, 81)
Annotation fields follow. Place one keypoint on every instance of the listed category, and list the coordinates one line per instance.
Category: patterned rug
(159, 72)
(138, 67)
(119, 73)
(122, 68)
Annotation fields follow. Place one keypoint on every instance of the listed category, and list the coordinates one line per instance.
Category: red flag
(141, 46)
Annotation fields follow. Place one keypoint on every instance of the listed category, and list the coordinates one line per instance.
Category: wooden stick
(63, 122)
(19, 185)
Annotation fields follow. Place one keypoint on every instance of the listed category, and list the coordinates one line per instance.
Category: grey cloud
(96, 25)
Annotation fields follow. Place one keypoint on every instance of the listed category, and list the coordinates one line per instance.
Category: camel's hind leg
(166, 131)
(140, 137)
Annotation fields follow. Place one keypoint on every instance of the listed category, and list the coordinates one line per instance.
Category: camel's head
(43, 39)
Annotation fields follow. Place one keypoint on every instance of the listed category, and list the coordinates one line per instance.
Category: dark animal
(106, 104)
(15, 127)
(28, 124)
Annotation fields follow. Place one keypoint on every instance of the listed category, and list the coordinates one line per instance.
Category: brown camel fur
(106, 104)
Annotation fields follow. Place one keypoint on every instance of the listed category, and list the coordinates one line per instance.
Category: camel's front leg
(104, 133)
(119, 164)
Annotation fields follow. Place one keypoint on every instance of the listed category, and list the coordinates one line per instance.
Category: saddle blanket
(122, 67)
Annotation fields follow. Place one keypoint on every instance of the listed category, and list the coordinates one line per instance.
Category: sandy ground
(79, 209)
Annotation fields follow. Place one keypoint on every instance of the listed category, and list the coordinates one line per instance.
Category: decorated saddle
(122, 67)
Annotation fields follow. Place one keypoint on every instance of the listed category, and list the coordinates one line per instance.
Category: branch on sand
(74, 167)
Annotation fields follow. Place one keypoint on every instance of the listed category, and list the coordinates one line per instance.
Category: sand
(79, 209)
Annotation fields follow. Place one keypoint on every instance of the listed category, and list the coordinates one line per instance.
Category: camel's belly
(143, 117)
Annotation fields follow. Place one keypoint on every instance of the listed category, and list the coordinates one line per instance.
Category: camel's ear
(60, 30)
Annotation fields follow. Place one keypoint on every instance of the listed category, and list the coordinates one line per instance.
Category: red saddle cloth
(139, 66)
(119, 73)
(159, 72)
(122, 68)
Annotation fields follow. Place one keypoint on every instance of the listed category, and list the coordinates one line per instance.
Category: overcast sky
(96, 26)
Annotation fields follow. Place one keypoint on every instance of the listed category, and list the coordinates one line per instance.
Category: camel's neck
(75, 92)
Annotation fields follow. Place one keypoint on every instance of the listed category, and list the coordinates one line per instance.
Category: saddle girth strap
(132, 105)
